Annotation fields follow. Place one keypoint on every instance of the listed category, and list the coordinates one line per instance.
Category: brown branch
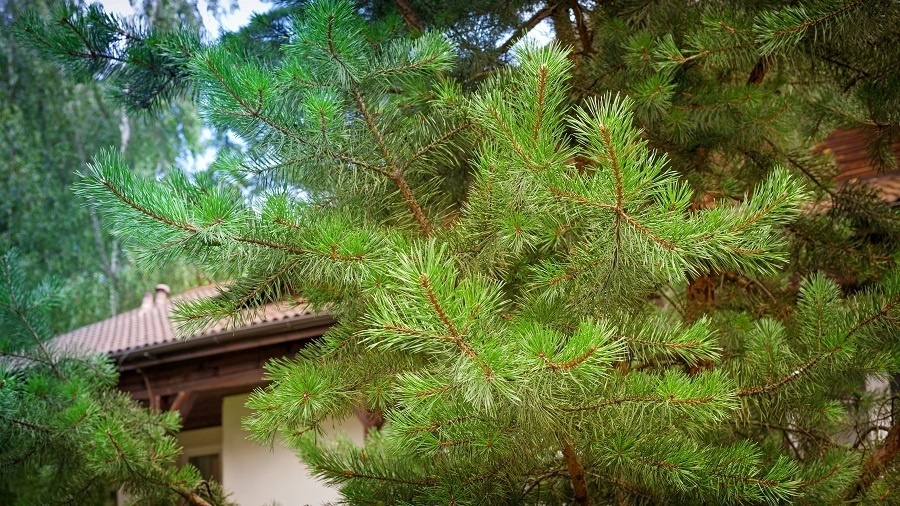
(190, 496)
(541, 91)
(409, 16)
(440, 140)
(565, 366)
(890, 304)
(760, 70)
(586, 36)
(448, 324)
(576, 475)
(396, 174)
(877, 462)
(25, 424)
(790, 377)
(614, 161)
(143, 210)
(532, 22)
(811, 22)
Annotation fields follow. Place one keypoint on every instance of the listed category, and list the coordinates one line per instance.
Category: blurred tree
(51, 126)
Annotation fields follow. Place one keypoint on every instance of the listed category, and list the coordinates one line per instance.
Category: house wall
(199, 442)
(256, 475)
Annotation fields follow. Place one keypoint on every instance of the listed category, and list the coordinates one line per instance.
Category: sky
(231, 22)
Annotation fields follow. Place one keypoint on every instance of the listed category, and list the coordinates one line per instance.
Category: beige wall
(199, 442)
(256, 475)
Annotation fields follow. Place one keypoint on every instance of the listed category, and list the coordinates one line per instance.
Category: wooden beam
(183, 403)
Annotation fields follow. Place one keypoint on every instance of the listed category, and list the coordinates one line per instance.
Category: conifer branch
(532, 22)
(510, 136)
(188, 227)
(815, 21)
(255, 113)
(448, 324)
(570, 364)
(16, 307)
(796, 373)
(746, 479)
(350, 474)
(25, 423)
(614, 162)
(436, 142)
(395, 174)
(435, 425)
(877, 462)
(571, 274)
(539, 105)
(888, 306)
(621, 214)
(650, 399)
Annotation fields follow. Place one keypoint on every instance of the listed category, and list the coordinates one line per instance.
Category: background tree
(52, 125)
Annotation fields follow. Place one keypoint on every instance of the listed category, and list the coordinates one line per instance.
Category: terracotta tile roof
(851, 153)
(151, 326)
(888, 186)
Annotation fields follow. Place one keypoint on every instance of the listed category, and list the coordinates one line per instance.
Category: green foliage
(67, 434)
(51, 126)
(504, 245)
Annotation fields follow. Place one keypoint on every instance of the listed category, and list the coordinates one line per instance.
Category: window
(210, 466)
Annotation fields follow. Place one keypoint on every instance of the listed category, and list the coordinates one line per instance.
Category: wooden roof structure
(192, 374)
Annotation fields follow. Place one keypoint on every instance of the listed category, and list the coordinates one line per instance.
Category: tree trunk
(562, 25)
(576, 475)
(877, 463)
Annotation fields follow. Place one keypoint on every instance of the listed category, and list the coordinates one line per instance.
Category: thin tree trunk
(576, 474)
(409, 16)
(584, 33)
(700, 294)
(877, 463)
(562, 25)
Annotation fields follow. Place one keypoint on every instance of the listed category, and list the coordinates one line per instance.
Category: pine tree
(505, 263)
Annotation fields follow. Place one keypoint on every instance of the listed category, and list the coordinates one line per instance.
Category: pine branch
(671, 400)
(350, 474)
(16, 307)
(454, 334)
(576, 474)
(395, 174)
(434, 143)
(804, 368)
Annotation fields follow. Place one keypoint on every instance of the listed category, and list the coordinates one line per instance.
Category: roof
(850, 149)
(150, 326)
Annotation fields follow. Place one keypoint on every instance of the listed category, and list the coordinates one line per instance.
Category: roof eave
(288, 328)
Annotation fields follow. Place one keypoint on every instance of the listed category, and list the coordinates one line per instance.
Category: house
(207, 378)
